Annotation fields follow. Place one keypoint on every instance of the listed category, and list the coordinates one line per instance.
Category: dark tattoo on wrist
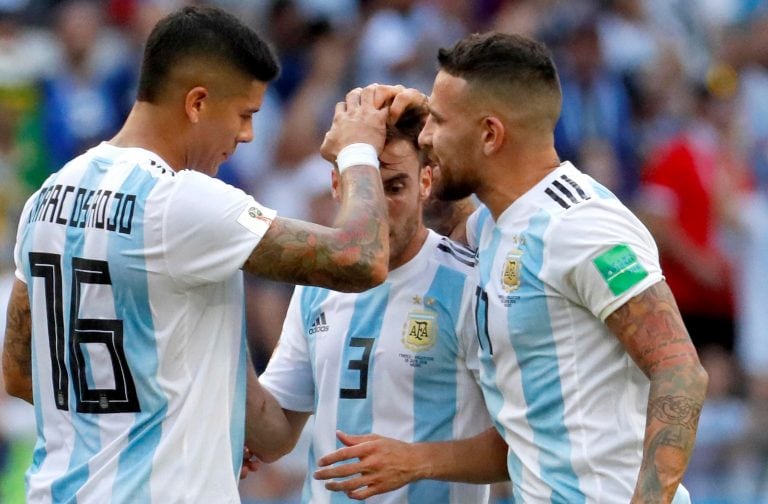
(676, 410)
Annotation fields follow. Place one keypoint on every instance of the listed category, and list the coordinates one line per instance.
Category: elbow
(274, 452)
(18, 388)
(379, 272)
(701, 377)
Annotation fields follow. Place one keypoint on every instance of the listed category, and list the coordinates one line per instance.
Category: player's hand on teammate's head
(356, 120)
(407, 98)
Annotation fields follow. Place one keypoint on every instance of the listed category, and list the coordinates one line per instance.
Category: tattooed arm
(353, 255)
(17, 350)
(652, 332)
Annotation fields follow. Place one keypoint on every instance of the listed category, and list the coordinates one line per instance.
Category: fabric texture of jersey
(399, 360)
(138, 346)
(559, 386)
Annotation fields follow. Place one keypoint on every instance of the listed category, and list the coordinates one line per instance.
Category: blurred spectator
(399, 42)
(690, 189)
(595, 129)
(89, 96)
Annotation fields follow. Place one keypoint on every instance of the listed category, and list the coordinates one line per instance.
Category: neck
(149, 127)
(511, 176)
(411, 250)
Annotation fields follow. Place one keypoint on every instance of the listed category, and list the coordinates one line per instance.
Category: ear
(335, 187)
(425, 182)
(194, 103)
(493, 135)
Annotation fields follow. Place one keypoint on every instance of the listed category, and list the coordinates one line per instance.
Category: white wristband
(357, 154)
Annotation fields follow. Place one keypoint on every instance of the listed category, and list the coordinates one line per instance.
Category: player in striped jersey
(125, 326)
(399, 360)
(586, 366)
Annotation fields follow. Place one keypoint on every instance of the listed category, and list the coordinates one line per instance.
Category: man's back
(137, 333)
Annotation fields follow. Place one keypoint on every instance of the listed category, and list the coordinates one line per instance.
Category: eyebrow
(396, 178)
(433, 113)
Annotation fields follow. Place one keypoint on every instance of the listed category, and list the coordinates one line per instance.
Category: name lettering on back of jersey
(566, 192)
(84, 208)
(620, 268)
(319, 324)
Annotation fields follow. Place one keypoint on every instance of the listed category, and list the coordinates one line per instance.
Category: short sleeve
(210, 228)
(600, 256)
(19, 233)
(474, 226)
(289, 373)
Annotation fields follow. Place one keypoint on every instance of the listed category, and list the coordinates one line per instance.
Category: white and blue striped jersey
(138, 341)
(398, 360)
(559, 386)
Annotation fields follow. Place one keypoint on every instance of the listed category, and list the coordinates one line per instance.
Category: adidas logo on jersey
(319, 325)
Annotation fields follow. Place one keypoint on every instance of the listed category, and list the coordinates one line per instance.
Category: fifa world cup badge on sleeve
(620, 268)
(256, 218)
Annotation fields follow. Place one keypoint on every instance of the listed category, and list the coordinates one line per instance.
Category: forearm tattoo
(17, 348)
(650, 328)
(340, 258)
(675, 410)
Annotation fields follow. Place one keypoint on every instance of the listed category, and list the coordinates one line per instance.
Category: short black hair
(408, 127)
(202, 32)
(501, 58)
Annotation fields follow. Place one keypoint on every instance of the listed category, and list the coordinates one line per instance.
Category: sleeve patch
(620, 268)
(256, 218)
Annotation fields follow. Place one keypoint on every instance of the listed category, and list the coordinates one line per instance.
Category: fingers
(406, 99)
(341, 455)
(348, 485)
(352, 99)
(351, 439)
(384, 94)
(338, 471)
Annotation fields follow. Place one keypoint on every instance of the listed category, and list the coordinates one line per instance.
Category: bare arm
(353, 255)
(387, 464)
(17, 348)
(270, 431)
(651, 330)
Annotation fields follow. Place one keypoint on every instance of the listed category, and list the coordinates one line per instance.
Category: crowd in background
(664, 101)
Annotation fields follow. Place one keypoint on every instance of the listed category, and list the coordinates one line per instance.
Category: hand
(404, 99)
(399, 99)
(356, 120)
(250, 463)
(384, 465)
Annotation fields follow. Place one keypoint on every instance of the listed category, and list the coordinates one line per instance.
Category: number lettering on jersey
(360, 365)
(481, 306)
(108, 332)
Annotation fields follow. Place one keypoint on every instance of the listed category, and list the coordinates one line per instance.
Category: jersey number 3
(83, 331)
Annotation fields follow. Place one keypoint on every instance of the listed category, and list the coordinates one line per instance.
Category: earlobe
(426, 182)
(194, 103)
(493, 135)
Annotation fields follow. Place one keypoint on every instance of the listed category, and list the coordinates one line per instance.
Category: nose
(246, 132)
(425, 136)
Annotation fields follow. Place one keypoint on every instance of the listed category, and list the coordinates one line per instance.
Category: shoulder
(452, 254)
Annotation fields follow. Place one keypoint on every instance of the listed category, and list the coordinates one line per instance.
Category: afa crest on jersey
(510, 273)
(420, 330)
